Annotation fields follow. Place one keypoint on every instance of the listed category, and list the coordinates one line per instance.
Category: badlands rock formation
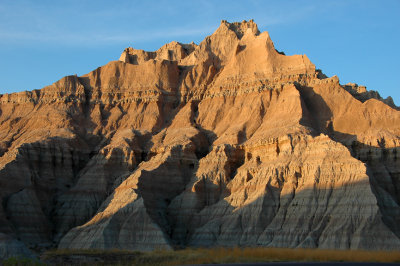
(225, 143)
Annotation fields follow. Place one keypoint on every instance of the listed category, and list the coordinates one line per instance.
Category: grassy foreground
(207, 256)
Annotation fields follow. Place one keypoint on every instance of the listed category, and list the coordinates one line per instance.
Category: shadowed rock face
(225, 143)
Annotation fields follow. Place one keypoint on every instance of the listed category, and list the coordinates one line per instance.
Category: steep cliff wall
(223, 143)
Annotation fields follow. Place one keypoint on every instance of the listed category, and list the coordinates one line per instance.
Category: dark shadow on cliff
(316, 113)
(382, 168)
(46, 169)
(158, 196)
(73, 158)
(382, 163)
(331, 218)
(285, 220)
(45, 176)
(160, 189)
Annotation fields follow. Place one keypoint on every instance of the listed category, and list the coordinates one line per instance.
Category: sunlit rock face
(225, 143)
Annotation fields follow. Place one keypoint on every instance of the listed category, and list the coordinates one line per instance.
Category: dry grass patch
(214, 255)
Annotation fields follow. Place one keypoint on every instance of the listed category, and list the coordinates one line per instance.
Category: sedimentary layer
(224, 143)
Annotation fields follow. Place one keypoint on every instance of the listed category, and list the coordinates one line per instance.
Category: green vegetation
(22, 262)
(206, 256)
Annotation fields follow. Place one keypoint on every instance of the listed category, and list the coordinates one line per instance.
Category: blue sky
(42, 41)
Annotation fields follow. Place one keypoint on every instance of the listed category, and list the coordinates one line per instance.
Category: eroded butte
(225, 143)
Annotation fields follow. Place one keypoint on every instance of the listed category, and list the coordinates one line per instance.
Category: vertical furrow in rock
(225, 143)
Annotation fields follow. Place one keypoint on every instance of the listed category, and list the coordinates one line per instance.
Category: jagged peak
(240, 47)
(178, 51)
(361, 93)
(240, 28)
(169, 51)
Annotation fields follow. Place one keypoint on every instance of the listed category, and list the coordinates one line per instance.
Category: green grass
(17, 261)
(216, 255)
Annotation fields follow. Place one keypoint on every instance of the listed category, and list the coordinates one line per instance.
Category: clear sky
(41, 41)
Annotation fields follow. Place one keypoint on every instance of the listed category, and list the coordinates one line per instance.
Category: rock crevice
(224, 143)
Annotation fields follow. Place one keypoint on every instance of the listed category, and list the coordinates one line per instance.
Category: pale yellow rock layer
(224, 143)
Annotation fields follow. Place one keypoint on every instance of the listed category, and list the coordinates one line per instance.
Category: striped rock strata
(226, 143)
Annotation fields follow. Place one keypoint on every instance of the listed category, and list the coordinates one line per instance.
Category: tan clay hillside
(225, 143)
